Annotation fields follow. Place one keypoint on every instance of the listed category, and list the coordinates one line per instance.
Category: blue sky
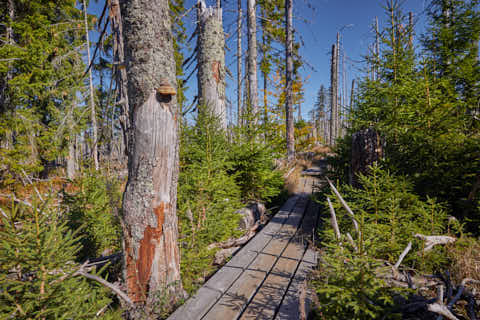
(317, 23)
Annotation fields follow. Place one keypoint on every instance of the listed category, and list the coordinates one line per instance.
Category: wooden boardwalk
(263, 280)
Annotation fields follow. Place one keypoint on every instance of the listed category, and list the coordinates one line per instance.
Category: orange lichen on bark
(140, 270)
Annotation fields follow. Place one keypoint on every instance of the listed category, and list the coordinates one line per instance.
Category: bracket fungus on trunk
(165, 91)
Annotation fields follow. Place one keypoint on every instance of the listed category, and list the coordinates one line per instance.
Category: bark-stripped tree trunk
(121, 72)
(239, 63)
(289, 81)
(71, 159)
(410, 30)
(352, 99)
(377, 51)
(152, 260)
(252, 59)
(93, 114)
(211, 61)
(333, 96)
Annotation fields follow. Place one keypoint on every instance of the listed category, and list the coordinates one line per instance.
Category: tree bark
(211, 61)
(93, 114)
(152, 260)
(333, 96)
(289, 81)
(377, 51)
(239, 63)
(367, 148)
(252, 59)
(121, 72)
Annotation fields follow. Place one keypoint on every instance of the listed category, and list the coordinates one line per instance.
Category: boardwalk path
(263, 279)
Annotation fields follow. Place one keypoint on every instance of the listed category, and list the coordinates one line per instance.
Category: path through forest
(266, 278)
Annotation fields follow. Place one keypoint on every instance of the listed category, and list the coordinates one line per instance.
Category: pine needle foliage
(389, 215)
(93, 207)
(208, 195)
(37, 255)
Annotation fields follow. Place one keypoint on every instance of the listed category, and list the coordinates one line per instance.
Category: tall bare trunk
(239, 63)
(93, 116)
(71, 159)
(152, 260)
(121, 72)
(289, 81)
(333, 96)
(252, 59)
(377, 50)
(410, 30)
(211, 61)
(352, 92)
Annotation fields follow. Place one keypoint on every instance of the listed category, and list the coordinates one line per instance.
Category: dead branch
(334, 220)
(350, 239)
(107, 284)
(442, 310)
(402, 256)
(345, 205)
(432, 241)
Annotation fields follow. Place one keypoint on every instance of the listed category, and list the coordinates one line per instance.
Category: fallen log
(431, 241)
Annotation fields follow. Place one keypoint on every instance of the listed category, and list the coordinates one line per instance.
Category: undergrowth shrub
(93, 205)
(389, 215)
(37, 259)
(347, 286)
(208, 197)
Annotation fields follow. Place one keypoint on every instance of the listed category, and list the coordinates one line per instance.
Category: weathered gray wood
(149, 203)
(252, 58)
(269, 296)
(239, 62)
(211, 61)
(260, 272)
(290, 137)
(197, 305)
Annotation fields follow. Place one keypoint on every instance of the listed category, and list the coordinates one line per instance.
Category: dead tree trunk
(289, 81)
(71, 159)
(377, 51)
(252, 59)
(121, 72)
(93, 114)
(333, 96)
(352, 99)
(211, 61)
(152, 260)
(410, 30)
(239, 63)
(367, 148)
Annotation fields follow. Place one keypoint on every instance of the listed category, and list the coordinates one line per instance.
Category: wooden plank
(290, 308)
(197, 306)
(223, 279)
(269, 296)
(234, 301)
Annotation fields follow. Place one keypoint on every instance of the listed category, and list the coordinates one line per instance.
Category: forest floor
(266, 279)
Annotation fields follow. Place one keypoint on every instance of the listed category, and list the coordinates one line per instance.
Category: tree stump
(367, 148)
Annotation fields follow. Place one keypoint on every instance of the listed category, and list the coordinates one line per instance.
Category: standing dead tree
(252, 102)
(334, 95)
(152, 259)
(120, 71)
(239, 62)
(93, 114)
(211, 61)
(289, 81)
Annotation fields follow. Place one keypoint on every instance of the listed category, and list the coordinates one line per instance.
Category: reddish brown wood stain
(139, 270)
(216, 70)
